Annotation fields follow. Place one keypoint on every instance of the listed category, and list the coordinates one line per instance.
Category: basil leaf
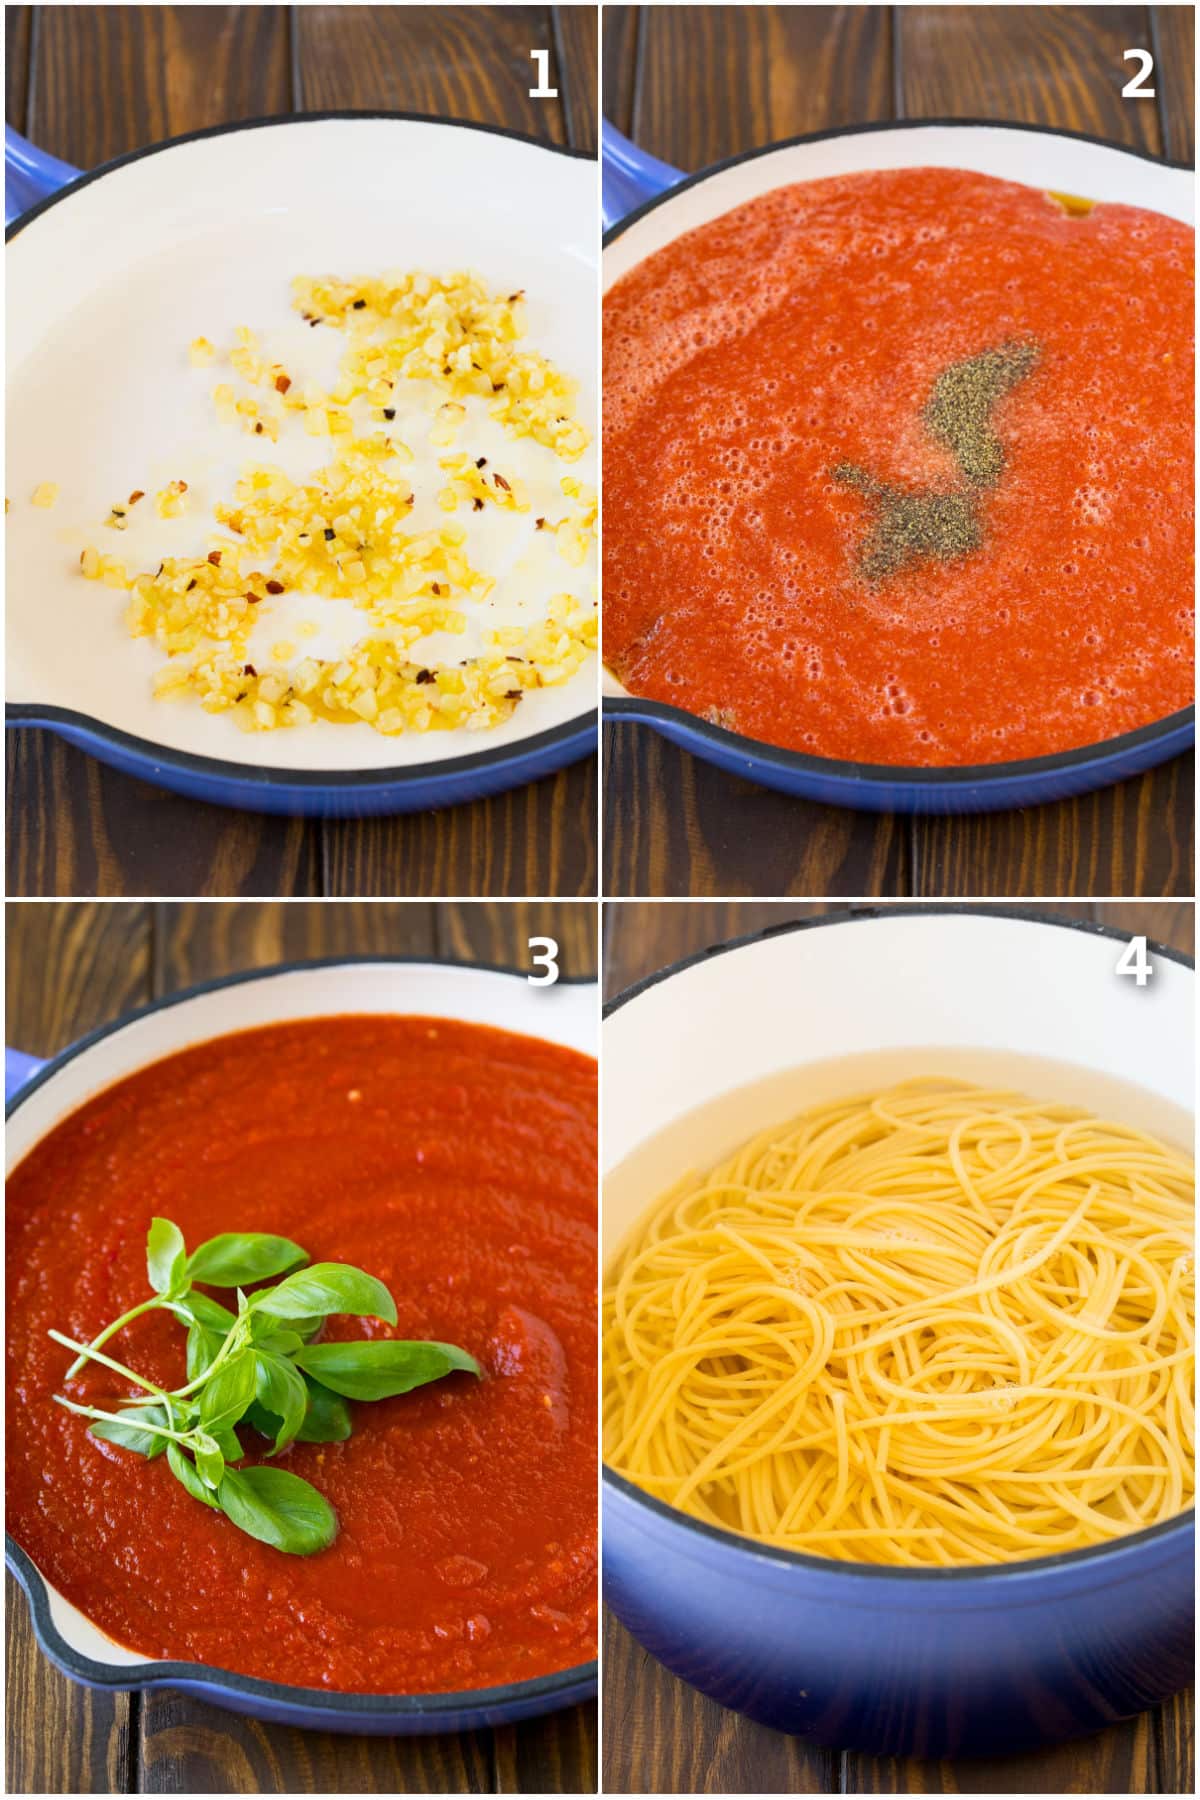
(185, 1473)
(271, 1334)
(327, 1288)
(327, 1420)
(267, 1424)
(229, 1392)
(210, 1459)
(280, 1389)
(203, 1348)
(229, 1444)
(239, 1257)
(202, 1310)
(279, 1509)
(376, 1371)
(124, 1431)
(166, 1256)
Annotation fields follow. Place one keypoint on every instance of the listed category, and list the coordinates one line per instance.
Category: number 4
(1133, 89)
(544, 951)
(1134, 961)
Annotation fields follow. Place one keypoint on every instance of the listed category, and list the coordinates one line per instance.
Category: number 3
(1134, 961)
(544, 951)
(1133, 89)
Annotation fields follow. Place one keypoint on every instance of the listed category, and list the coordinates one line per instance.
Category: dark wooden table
(661, 1736)
(88, 82)
(693, 84)
(70, 968)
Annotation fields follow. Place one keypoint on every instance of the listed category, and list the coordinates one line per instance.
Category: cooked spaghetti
(935, 1325)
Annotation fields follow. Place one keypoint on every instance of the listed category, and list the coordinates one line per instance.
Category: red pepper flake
(436, 587)
(214, 557)
(481, 462)
(478, 504)
(137, 494)
(258, 428)
(513, 694)
(389, 412)
(497, 387)
(330, 534)
(182, 486)
(424, 676)
(539, 524)
(274, 587)
(249, 669)
(501, 483)
(191, 584)
(282, 383)
(253, 598)
(358, 305)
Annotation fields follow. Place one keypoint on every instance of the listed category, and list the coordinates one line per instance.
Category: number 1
(543, 90)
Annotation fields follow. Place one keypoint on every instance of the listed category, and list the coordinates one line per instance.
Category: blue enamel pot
(41, 1094)
(647, 205)
(157, 232)
(971, 1661)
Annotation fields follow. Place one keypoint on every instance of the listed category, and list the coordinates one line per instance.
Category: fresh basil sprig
(257, 1368)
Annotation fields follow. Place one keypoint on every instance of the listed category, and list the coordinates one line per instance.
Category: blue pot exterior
(990, 788)
(944, 1664)
(335, 796)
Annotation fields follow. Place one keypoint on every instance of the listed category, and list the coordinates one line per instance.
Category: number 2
(544, 951)
(1135, 961)
(1133, 89)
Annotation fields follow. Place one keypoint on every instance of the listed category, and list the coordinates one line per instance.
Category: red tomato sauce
(806, 329)
(457, 1164)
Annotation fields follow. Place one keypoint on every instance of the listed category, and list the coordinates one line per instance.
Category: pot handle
(18, 1069)
(30, 174)
(630, 175)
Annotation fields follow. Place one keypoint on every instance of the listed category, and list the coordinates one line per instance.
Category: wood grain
(660, 1736)
(106, 79)
(71, 967)
(695, 84)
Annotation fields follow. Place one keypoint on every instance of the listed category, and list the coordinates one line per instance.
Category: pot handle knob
(18, 1069)
(630, 175)
(30, 174)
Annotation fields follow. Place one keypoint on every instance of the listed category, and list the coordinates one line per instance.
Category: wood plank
(196, 943)
(455, 62)
(1120, 1760)
(18, 37)
(642, 937)
(191, 1748)
(145, 73)
(555, 1755)
(576, 54)
(619, 54)
(662, 1737)
(1043, 65)
(68, 969)
(537, 839)
(77, 827)
(1136, 838)
(676, 826)
(716, 80)
(1175, 1744)
(60, 1738)
(1173, 36)
(109, 79)
(481, 932)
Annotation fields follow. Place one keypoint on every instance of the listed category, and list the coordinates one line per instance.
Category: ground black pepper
(915, 527)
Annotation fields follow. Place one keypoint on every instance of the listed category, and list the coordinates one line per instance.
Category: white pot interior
(702, 1060)
(202, 237)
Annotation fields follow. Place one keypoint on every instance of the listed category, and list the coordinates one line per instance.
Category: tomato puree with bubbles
(768, 380)
(456, 1163)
